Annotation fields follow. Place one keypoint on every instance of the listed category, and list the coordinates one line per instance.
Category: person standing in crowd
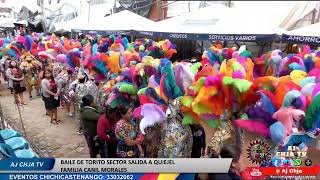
(235, 168)
(79, 88)
(106, 132)
(51, 95)
(129, 138)
(89, 116)
(199, 141)
(41, 77)
(2, 69)
(65, 78)
(16, 83)
(30, 68)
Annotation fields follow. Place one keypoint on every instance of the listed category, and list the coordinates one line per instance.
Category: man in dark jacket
(89, 116)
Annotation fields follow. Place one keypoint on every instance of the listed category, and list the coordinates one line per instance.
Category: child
(140, 138)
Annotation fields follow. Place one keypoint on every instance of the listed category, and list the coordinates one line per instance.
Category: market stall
(216, 22)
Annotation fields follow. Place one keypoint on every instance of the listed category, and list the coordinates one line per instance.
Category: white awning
(7, 22)
(311, 30)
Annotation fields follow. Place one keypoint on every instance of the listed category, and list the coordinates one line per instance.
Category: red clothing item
(103, 125)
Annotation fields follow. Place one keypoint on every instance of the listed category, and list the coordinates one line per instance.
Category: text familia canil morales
(109, 162)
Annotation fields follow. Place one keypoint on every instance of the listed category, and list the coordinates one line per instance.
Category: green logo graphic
(297, 162)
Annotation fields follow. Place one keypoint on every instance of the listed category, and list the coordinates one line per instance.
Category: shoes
(70, 114)
(30, 97)
(38, 94)
(80, 132)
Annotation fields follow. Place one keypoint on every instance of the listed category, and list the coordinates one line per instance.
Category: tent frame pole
(201, 46)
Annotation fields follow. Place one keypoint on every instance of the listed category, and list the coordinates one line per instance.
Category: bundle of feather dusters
(275, 95)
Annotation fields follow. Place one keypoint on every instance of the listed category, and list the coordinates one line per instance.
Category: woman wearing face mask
(51, 95)
(16, 83)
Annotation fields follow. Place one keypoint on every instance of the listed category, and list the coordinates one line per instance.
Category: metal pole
(201, 46)
(89, 10)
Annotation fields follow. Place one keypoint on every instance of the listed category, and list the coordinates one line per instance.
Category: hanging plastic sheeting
(7, 22)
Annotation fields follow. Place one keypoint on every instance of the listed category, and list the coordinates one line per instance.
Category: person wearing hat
(30, 68)
(80, 87)
(64, 78)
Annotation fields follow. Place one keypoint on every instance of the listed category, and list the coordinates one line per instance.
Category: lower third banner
(96, 176)
(141, 165)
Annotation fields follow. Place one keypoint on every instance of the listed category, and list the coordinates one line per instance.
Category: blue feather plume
(94, 49)
(212, 57)
(309, 63)
(125, 42)
(69, 60)
(171, 89)
(101, 66)
(267, 103)
(28, 42)
(151, 92)
(104, 47)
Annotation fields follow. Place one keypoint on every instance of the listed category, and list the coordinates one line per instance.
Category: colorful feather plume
(152, 114)
(168, 85)
(254, 126)
(311, 119)
(28, 43)
(101, 66)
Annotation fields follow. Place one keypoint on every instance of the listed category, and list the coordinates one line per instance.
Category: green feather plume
(312, 112)
(188, 119)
